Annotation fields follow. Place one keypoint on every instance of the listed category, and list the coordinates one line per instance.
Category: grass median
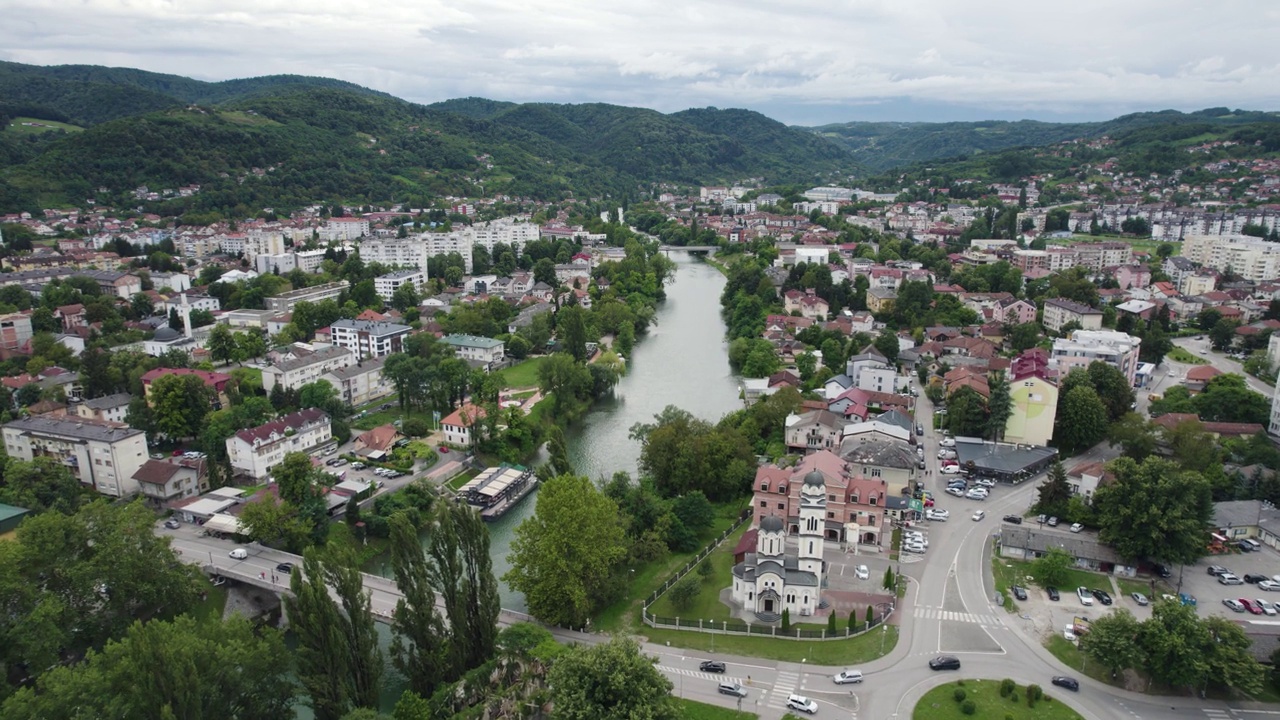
(945, 702)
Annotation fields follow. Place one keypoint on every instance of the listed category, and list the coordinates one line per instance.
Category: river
(683, 360)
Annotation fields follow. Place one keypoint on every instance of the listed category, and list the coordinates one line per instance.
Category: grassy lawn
(376, 419)
(1183, 356)
(522, 375)
(1128, 586)
(707, 604)
(940, 703)
(461, 480)
(854, 651)
(1070, 655)
(45, 126)
(215, 602)
(692, 710)
(1007, 573)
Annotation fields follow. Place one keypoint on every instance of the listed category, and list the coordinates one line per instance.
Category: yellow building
(1035, 400)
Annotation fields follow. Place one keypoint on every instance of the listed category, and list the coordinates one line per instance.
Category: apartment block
(293, 374)
(255, 451)
(386, 285)
(360, 383)
(284, 302)
(101, 455)
(1084, 347)
(1059, 312)
(368, 339)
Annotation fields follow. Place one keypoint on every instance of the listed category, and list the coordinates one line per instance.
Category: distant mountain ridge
(885, 145)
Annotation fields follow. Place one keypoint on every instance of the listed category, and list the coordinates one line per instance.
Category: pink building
(855, 504)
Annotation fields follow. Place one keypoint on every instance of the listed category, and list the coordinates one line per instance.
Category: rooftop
(74, 429)
(471, 341)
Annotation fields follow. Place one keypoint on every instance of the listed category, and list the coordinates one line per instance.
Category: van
(1251, 544)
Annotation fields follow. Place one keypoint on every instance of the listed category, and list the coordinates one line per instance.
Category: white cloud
(800, 61)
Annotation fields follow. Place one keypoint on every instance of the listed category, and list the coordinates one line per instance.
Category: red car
(928, 502)
(444, 449)
(1251, 606)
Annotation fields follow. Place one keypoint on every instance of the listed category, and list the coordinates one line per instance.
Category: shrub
(853, 621)
(786, 621)
(831, 623)
(968, 707)
(1008, 716)
(706, 569)
(959, 694)
(415, 427)
(1007, 687)
(1014, 696)
(1034, 693)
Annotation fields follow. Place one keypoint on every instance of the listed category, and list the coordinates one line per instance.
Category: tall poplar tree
(322, 659)
(419, 639)
(463, 573)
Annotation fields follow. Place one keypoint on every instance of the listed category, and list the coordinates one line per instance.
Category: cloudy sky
(800, 61)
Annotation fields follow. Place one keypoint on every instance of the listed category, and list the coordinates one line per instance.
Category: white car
(985, 482)
(861, 572)
(1086, 597)
(1076, 527)
(945, 454)
(1269, 585)
(238, 554)
(802, 703)
(848, 676)
(977, 516)
(1069, 632)
(951, 469)
(916, 548)
(940, 515)
(947, 442)
(916, 540)
(976, 494)
(955, 491)
(1267, 607)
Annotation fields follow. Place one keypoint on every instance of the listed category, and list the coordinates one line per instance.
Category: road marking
(783, 686)
(1217, 713)
(699, 674)
(927, 612)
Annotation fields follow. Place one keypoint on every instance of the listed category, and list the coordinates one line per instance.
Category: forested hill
(333, 143)
(886, 145)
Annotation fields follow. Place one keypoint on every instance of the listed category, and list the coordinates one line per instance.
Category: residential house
(1085, 479)
(109, 408)
(71, 316)
(115, 284)
(814, 430)
(255, 451)
(457, 425)
(360, 383)
(479, 350)
(880, 300)
(1013, 311)
(1060, 311)
(1132, 276)
(164, 481)
(1199, 376)
(1087, 346)
(855, 502)
(807, 303)
(377, 442)
(1247, 519)
(103, 456)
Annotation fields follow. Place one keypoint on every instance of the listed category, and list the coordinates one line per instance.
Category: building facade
(361, 382)
(285, 301)
(293, 374)
(770, 580)
(386, 285)
(368, 339)
(1087, 346)
(103, 456)
(477, 349)
(1059, 312)
(255, 451)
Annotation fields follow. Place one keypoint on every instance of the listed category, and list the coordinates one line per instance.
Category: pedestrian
(263, 575)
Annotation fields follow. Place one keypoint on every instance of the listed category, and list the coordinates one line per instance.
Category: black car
(1053, 593)
(1102, 596)
(1019, 592)
(1254, 579)
(714, 666)
(285, 568)
(945, 662)
(1015, 519)
(1163, 571)
(1063, 681)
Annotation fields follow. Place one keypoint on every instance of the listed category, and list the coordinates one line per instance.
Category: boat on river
(498, 489)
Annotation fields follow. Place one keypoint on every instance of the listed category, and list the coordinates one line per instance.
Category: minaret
(185, 312)
(813, 519)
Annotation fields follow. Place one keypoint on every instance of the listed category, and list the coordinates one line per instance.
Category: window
(831, 498)
(871, 519)
(875, 472)
(854, 499)
(872, 500)
(764, 487)
(782, 506)
(764, 503)
(831, 516)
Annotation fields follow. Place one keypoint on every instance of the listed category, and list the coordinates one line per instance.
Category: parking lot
(1209, 593)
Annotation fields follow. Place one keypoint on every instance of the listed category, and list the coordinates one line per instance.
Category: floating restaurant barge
(498, 489)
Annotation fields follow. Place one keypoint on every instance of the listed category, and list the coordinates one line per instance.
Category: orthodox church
(771, 580)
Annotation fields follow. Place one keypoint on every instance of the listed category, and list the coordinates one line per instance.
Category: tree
(1081, 421)
(682, 454)
(155, 672)
(179, 404)
(999, 406)
(544, 271)
(41, 485)
(338, 660)
(250, 345)
(966, 413)
(1222, 334)
(1154, 510)
(564, 557)
(564, 378)
(1231, 664)
(462, 572)
(684, 592)
(1051, 569)
(888, 581)
(1227, 398)
(221, 344)
(1133, 433)
(1054, 492)
(571, 329)
(887, 343)
(1175, 643)
(406, 296)
(1112, 387)
(610, 681)
(420, 642)
(1024, 336)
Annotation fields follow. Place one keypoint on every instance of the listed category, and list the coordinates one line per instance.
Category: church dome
(771, 523)
(815, 478)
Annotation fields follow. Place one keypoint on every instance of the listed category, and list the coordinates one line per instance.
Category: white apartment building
(1253, 258)
(1058, 312)
(177, 282)
(1097, 256)
(402, 252)
(196, 302)
(292, 374)
(386, 285)
(285, 301)
(1086, 346)
(255, 451)
(360, 383)
(102, 455)
(414, 252)
(259, 242)
(368, 339)
(344, 228)
(476, 349)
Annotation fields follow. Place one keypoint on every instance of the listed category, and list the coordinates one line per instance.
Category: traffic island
(994, 699)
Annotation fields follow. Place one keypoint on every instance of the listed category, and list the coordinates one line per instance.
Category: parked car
(939, 515)
(1186, 599)
(1216, 570)
(1229, 579)
(1253, 579)
(1248, 605)
(1269, 585)
(945, 662)
(1015, 519)
(1052, 522)
(1266, 607)
(1233, 604)
(977, 494)
(1052, 592)
(712, 666)
(172, 524)
(919, 429)
(947, 442)
(1076, 527)
(802, 703)
(916, 548)
(1102, 596)
(985, 482)
(845, 677)
(958, 492)
(1140, 599)
(862, 572)
(958, 482)
(951, 469)
(732, 688)
(1019, 593)
(238, 554)
(1162, 570)
(1068, 683)
(1085, 597)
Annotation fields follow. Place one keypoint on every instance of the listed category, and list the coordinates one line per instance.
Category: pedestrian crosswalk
(700, 675)
(783, 686)
(926, 612)
(1218, 714)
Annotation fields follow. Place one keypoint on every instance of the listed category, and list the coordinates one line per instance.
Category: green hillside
(886, 145)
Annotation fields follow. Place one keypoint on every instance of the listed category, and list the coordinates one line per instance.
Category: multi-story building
(344, 228)
(103, 456)
(402, 252)
(1253, 258)
(15, 330)
(1085, 347)
(1177, 267)
(874, 457)
(855, 501)
(360, 383)
(813, 431)
(285, 301)
(261, 242)
(1035, 399)
(293, 374)
(116, 284)
(253, 452)
(109, 408)
(1060, 311)
(1096, 256)
(1273, 424)
(368, 339)
(386, 285)
(477, 349)
(457, 425)
(1197, 284)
